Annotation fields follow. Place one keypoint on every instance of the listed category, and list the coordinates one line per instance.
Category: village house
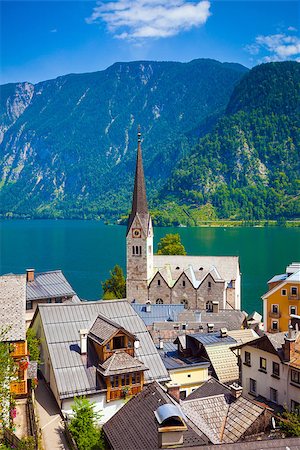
(46, 287)
(12, 327)
(270, 369)
(282, 299)
(193, 281)
(99, 349)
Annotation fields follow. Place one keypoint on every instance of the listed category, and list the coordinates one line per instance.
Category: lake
(86, 250)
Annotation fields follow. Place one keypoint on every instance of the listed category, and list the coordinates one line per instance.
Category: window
(295, 376)
(137, 378)
(133, 250)
(49, 300)
(114, 381)
(273, 395)
(118, 342)
(275, 309)
(28, 304)
(252, 386)
(230, 284)
(123, 382)
(108, 346)
(183, 283)
(209, 306)
(274, 325)
(133, 378)
(185, 303)
(294, 291)
(283, 291)
(159, 301)
(293, 309)
(183, 326)
(295, 406)
(209, 285)
(247, 361)
(182, 395)
(158, 282)
(58, 300)
(129, 343)
(263, 364)
(275, 369)
(127, 379)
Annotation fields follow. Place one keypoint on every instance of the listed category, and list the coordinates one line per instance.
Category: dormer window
(118, 342)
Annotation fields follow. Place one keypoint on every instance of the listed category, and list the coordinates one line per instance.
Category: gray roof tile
(12, 307)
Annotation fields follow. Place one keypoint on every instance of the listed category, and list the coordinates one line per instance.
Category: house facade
(282, 299)
(270, 369)
(194, 281)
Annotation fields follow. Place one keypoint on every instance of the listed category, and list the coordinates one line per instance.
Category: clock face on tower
(136, 232)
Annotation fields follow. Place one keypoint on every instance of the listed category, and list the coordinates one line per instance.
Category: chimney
(136, 344)
(148, 307)
(215, 306)
(161, 344)
(223, 332)
(83, 341)
(173, 390)
(29, 275)
(289, 344)
(171, 425)
(236, 390)
(210, 327)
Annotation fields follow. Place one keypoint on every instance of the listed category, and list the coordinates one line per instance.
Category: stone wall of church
(159, 289)
(184, 292)
(230, 297)
(210, 290)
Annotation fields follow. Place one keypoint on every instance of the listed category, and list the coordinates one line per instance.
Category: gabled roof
(103, 329)
(294, 278)
(61, 324)
(224, 418)
(12, 307)
(49, 285)
(269, 342)
(135, 427)
(120, 362)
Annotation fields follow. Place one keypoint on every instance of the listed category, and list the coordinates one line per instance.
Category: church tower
(139, 238)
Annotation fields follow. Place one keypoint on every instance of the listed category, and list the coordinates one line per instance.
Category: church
(198, 282)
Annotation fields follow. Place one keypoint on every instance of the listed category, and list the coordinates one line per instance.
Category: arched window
(133, 250)
(185, 303)
(159, 301)
(140, 249)
(209, 306)
(158, 282)
(136, 249)
(183, 283)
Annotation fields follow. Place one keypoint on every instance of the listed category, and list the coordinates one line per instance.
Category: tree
(83, 426)
(8, 371)
(33, 345)
(171, 244)
(115, 286)
(290, 424)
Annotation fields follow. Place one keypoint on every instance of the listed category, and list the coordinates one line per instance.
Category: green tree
(115, 286)
(290, 424)
(33, 345)
(83, 427)
(171, 244)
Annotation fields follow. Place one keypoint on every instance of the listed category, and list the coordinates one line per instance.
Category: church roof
(139, 199)
(196, 267)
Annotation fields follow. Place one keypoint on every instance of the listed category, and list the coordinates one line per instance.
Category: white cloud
(292, 29)
(276, 47)
(135, 19)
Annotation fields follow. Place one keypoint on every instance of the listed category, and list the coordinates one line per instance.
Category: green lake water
(86, 250)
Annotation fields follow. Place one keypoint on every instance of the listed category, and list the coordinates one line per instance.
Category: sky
(42, 40)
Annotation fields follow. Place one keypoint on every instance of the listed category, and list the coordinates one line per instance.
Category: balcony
(274, 315)
(18, 387)
(294, 297)
(20, 349)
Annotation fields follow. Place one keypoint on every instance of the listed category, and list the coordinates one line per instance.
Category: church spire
(139, 199)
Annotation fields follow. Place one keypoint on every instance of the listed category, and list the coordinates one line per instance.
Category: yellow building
(282, 299)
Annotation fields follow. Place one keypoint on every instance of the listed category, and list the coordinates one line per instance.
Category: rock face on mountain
(68, 145)
(248, 166)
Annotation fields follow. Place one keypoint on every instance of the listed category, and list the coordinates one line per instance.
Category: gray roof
(120, 362)
(209, 388)
(12, 307)
(62, 322)
(158, 313)
(103, 329)
(172, 360)
(49, 285)
(213, 339)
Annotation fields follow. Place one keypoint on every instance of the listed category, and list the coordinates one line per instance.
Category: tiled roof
(61, 324)
(49, 285)
(243, 336)
(120, 362)
(224, 362)
(134, 426)
(158, 313)
(224, 418)
(12, 307)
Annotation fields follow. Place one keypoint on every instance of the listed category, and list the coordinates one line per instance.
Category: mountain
(69, 145)
(248, 166)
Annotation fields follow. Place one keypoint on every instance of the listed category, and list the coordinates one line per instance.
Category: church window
(177, 268)
(185, 303)
(209, 285)
(140, 249)
(159, 301)
(201, 268)
(137, 249)
(209, 306)
(133, 250)
(183, 283)
(158, 282)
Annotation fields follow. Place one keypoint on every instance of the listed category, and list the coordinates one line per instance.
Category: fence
(11, 439)
(33, 429)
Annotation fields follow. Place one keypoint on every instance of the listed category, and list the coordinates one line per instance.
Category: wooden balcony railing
(18, 387)
(20, 349)
(274, 315)
(294, 297)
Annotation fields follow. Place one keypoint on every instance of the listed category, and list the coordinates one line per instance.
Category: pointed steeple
(139, 199)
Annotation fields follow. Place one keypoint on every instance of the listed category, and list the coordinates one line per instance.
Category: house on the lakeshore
(281, 302)
(47, 287)
(270, 369)
(166, 322)
(193, 281)
(98, 349)
(12, 327)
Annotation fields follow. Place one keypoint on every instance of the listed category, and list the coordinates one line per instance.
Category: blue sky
(45, 39)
